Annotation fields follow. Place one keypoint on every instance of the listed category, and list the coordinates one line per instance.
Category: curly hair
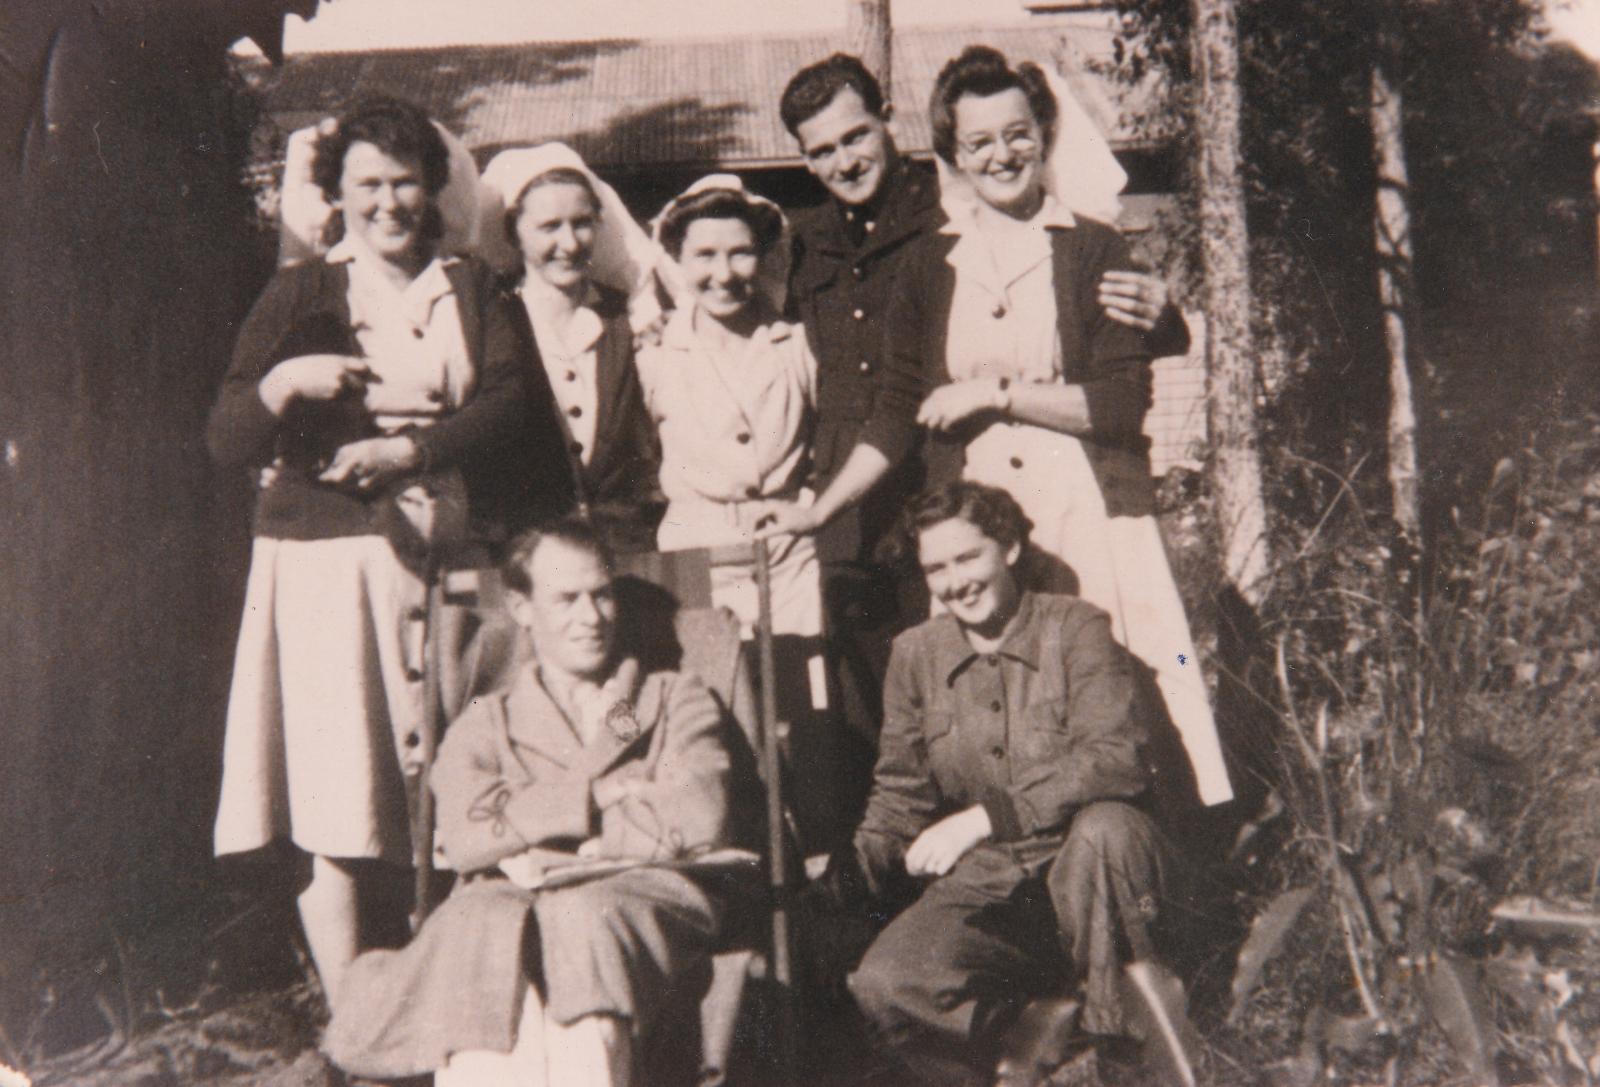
(990, 510)
(983, 71)
(398, 129)
(572, 531)
(816, 85)
(764, 220)
(556, 175)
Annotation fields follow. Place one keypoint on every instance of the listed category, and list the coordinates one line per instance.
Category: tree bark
(870, 36)
(1392, 224)
(1231, 378)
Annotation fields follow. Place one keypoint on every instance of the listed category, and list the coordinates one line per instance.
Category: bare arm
(861, 472)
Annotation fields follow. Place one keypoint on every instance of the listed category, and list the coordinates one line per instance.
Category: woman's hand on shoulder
(372, 462)
(950, 405)
(312, 377)
(1133, 298)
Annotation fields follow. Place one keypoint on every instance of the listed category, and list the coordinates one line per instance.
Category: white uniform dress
(1003, 325)
(735, 429)
(326, 698)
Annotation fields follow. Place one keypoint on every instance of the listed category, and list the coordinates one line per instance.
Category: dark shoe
(1044, 1036)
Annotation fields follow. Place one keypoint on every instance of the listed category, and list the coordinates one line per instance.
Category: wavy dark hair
(573, 531)
(990, 510)
(815, 86)
(764, 220)
(983, 71)
(556, 175)
(398, 129)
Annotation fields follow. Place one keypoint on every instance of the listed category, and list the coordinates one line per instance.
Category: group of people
(922, 396)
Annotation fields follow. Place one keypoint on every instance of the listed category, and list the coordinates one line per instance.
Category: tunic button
(1016, 462)
(577, 448)
(752, 492)
(866, 367)
(995, 706)
(575, 411)
(417, 332)
(412, 739)
(997, 751)
(859, 314)
(742, 438)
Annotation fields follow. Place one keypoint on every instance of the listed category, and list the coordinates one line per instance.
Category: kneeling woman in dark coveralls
(1011, 774)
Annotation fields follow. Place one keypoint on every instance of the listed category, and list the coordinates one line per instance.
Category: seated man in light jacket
(582, 757)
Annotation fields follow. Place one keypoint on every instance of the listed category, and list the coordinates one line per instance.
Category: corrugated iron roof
(629, 104)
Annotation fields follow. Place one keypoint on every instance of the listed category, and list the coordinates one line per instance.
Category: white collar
(1052, 215)
(679, 333)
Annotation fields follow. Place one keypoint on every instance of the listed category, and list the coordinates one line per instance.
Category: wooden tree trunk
(1392, 223)
(1231, 381)
(870, 35)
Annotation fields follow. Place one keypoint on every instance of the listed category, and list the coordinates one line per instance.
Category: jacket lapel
(613, 356)
(534, 721)
(469, 303)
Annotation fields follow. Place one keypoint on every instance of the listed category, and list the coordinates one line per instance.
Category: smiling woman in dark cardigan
(381, 398)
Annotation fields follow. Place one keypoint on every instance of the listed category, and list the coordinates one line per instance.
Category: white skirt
(1121, 566)
(326, 701)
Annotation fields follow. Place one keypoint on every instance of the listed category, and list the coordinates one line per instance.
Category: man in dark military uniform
(844, 261)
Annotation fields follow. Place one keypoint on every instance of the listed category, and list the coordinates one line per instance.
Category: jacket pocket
(1045, 732)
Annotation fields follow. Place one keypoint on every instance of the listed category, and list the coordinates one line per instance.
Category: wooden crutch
(772, 736)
